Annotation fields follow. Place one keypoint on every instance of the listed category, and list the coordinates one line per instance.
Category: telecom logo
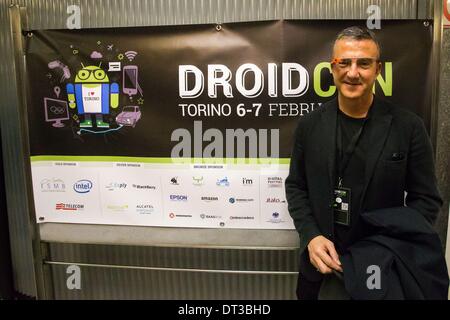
(178, 197)
(53, 185)
(69, 207)
(82, 186)
(247, 182)
(275, 182)
(116, 186)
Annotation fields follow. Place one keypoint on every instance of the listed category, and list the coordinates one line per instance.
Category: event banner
(190, 126)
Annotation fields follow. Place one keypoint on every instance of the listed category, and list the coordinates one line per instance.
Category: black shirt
(352, 178)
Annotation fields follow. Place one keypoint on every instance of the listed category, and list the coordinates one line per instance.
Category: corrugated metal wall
(124, 283)
(154, 273)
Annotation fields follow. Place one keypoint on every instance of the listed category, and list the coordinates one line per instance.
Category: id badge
(341, 206)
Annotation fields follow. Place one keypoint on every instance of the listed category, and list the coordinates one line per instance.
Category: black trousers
(306, 289)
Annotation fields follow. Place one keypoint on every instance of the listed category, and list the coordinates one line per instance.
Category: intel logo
(82, 186)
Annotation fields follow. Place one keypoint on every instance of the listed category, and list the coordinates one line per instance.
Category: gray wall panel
(18, 211)
(210, 278)
(45, 14)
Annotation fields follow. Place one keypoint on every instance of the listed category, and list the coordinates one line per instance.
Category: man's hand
(323, 255)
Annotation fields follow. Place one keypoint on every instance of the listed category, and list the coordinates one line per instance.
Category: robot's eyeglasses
(85, 74)
(361, 63)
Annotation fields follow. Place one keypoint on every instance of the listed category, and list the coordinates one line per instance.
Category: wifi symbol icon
(130, 55)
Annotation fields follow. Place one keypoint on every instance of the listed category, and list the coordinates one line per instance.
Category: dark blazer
(407, 252)
(399, 159)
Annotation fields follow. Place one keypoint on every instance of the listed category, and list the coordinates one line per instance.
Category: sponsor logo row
(148, 208)
(86, 185)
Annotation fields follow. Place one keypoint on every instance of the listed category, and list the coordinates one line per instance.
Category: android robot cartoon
(92, 94)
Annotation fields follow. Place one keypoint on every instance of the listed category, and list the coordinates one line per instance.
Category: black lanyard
(345, 159)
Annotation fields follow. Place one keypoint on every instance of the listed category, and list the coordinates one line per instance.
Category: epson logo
(177, 197)
(82, 186)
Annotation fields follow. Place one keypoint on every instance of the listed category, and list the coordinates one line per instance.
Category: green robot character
(92, 94)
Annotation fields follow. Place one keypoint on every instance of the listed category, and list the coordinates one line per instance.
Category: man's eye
(365, 63)
(344, 63)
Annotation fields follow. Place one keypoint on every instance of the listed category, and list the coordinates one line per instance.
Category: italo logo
(247, 182)
(210, 199)
(69, 206)
(82, 186)
(197, 180)
(275, 200)
(143, 187)
(223, 182)
(116, 186)
(174, 181)
(178, 197)
(275, 182)
(53, 185)
(172, 215)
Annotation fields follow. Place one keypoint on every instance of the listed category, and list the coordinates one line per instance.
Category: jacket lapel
(376, 131)
(328, 129)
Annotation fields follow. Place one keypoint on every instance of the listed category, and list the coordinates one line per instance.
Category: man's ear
(379, 66)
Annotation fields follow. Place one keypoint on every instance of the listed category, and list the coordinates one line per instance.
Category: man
(356, 153)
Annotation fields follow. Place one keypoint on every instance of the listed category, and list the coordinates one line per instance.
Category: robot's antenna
(100, 64)
(82, 65)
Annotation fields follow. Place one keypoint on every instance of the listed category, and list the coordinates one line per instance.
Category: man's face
(353, 74)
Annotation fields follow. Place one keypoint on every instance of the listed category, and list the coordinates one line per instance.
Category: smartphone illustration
(130, 76)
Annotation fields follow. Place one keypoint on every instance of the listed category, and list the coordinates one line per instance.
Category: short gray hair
(358, 33)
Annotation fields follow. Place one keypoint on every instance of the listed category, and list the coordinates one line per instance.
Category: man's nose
(353, 71)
